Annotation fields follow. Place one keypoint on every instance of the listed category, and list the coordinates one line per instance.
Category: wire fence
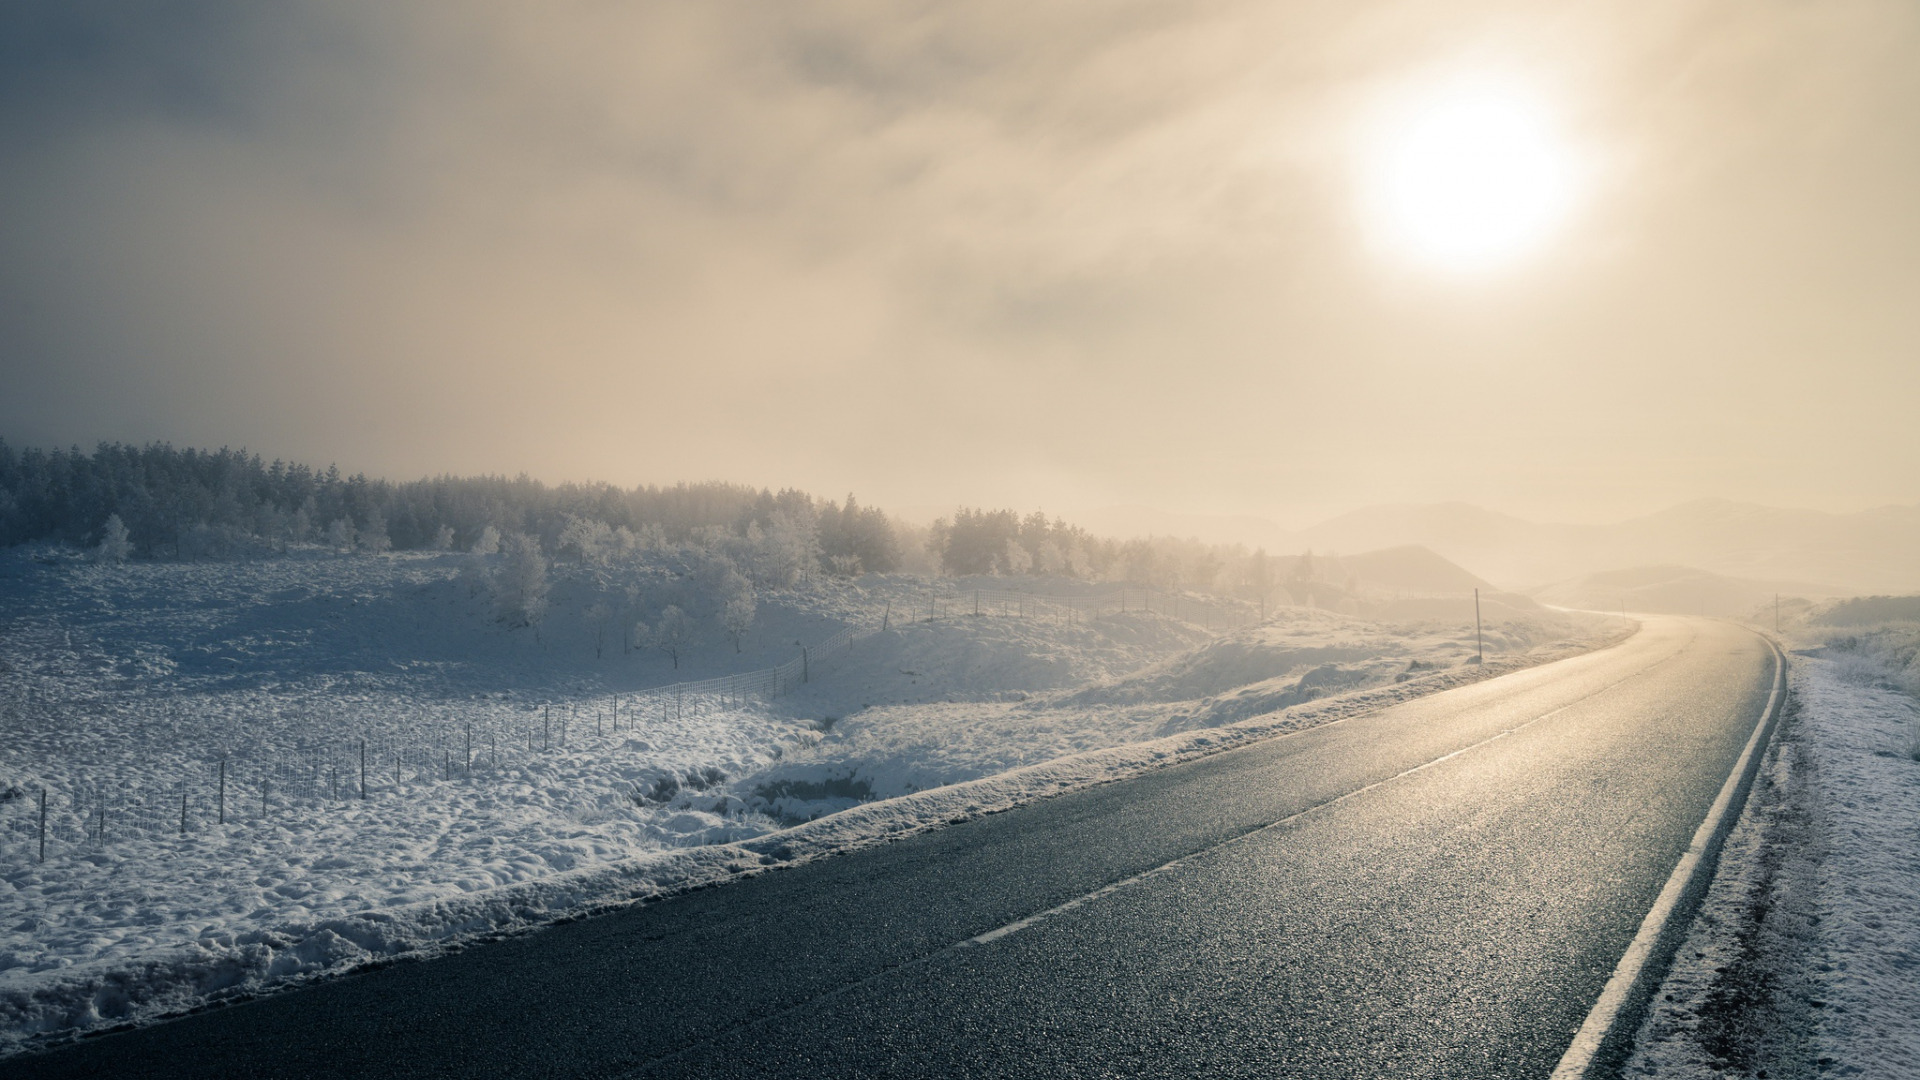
(255, 787)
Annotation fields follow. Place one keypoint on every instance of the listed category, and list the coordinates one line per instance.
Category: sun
(1468, 178)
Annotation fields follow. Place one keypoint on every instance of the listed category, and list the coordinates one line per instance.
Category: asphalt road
(1437, 889)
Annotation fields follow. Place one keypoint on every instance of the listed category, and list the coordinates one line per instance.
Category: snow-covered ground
(1300, 655)
(1805, 959)
(514, 778)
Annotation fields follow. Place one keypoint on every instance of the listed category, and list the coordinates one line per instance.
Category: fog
(1059, 256)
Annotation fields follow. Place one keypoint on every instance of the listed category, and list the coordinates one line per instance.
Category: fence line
(238, 790)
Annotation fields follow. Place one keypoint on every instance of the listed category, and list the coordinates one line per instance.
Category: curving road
(1438, 889)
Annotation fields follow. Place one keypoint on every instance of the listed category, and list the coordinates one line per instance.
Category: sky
(1193, 256)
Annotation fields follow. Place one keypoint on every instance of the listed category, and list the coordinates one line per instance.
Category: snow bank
(1803, 958)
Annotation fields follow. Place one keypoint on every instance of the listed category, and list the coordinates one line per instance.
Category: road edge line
(1603, 1040)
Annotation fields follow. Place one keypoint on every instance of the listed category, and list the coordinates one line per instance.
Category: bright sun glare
(1469, 178)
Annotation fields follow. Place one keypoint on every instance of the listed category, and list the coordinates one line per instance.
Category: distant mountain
(1869, 551)
(1824, 554)
(1508, 549)
(1123, 522)
(1673, 590)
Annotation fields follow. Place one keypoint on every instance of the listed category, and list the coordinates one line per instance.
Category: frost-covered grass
(1803, 959)
(512, 778)
(1298, 656)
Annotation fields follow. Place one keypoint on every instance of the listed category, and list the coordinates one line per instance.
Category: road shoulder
(1800, 960)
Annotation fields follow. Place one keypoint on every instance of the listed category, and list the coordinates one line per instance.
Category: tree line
(161, 502)
(173, 503)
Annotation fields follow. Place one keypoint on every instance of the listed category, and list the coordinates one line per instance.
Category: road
(1438, 889)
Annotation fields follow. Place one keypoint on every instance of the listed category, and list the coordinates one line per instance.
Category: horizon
(1223, 527)
(920, 514)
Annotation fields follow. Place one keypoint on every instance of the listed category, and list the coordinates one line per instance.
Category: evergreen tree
(114, 546)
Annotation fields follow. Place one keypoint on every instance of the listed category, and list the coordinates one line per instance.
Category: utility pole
(1479, 645)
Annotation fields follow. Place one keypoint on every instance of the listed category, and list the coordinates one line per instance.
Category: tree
(300, 525)
(114, 546)
(487, 543)
(443, 539)
(1015, 560)
(789, 549)
(856, 539)
(737, 608)
(588, 540)
(373, 537)
(520, 589)
(671, 632)
(975, 541)
(340, 534)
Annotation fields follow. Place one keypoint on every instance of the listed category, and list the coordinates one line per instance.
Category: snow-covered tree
(735, 596)
(114, 546)
(586, 539)
(671, 632)
(443, 538)
(520, 588)
(1015, 559)
(300, 525)
(487, 543)
(1050, 559)
(782, 553)
(856, 539)
(737, 616)
(373, 538)
(340, 534)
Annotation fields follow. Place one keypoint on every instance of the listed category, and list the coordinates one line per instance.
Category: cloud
(1034, 253)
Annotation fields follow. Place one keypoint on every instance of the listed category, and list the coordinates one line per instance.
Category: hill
(1411, 568)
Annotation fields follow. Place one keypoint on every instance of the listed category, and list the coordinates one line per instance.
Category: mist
(1064, 258)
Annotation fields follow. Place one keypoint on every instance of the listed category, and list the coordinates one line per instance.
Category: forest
(161, 502)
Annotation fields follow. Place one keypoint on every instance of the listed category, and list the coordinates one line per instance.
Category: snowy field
(513, 777)
(1805, 959)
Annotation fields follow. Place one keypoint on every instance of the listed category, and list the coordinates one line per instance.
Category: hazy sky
(1033, 254)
